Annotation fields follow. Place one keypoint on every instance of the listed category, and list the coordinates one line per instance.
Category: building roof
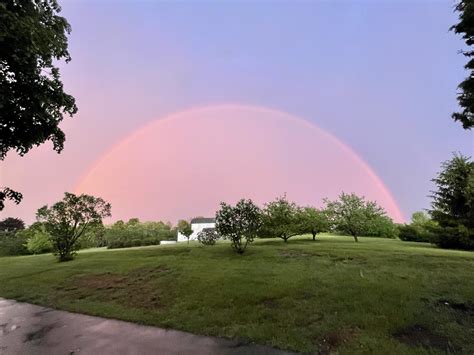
(202, 220)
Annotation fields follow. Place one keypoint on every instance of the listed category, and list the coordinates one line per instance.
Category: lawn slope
(332, 295)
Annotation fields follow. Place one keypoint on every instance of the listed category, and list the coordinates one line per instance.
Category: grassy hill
(333, 295)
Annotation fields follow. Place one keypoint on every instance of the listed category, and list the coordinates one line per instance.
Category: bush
(135, 233)
(410, 233)
(13, 243)
(458, 237)
(39, 242)
(208, 236)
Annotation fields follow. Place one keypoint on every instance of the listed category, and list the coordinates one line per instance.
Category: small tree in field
(208, 236)
(353, 214)
(184, 227)
(239, 224)
(67, 220)
(313, 221)
(281, 219)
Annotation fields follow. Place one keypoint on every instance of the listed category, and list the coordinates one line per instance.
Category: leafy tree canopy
(239, 224)
(453, 204)
(67, 220)
(453, 200)
(313, 221)
(32, 99)
(353, 215)
(184, 227)
(11, 224)
(282, 219)
(465, 27)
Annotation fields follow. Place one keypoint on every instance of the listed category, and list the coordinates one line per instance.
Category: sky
(379, 76)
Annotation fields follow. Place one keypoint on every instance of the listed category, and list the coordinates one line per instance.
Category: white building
(197, 225)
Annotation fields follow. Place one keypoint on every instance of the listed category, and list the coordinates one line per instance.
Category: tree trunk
(355, 238)
(314, 236)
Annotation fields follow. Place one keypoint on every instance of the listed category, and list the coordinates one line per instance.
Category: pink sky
(185, 164)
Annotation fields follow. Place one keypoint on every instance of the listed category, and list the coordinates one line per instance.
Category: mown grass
(332, 295)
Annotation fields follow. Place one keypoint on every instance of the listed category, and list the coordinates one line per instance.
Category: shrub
(411, 233)
(135, 233)
(208, 236)
(458, 237)
(39, 242)
(13, 243)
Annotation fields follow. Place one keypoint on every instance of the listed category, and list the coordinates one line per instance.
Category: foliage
(420, 229)
(281, 219)
(11, 224)
(32, 100)
(39, 242)
(13, 243)
(135, 233)
(313, 221)
(184, 227)
(382, 227)
(8, 194)
(465, 27)
(353, 215)
(93, 237)
(239, 224)
(454, 237)
(208, 236)
(69, 219)
(453, 204)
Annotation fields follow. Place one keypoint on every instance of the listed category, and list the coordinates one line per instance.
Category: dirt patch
(419, 335)
(270, 303)
(334, 340)
(294, 253)
(466, 309)
(348, 260)
(139, 288)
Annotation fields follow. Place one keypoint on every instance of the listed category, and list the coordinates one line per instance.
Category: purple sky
(379, 75)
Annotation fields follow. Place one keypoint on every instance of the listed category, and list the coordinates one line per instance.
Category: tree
(239, 224)
(352, 214)
(32, 100)
(67, 220)
(281, 219)
(11, 224)
(453, 203)
(39, 242)
(313, 221)
(184, 227)
(465, 27)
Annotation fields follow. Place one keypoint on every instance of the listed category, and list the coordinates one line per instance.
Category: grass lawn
(376, 296)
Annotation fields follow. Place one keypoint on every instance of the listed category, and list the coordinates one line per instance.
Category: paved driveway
(30, 329)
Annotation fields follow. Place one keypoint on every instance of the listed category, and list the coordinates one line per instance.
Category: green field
(334, 295)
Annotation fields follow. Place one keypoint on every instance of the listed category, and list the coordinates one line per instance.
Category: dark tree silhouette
(465, 27)
(32, 99)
